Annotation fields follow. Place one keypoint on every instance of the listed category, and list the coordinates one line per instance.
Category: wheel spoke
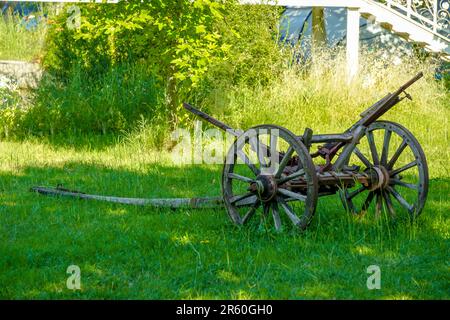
(266, 209)
(276, 216)
(237, 198)
(247, 161)
(404, 168)
(379, 204)
(289, 199)
(368, 200)
(292, 176)
(251, 212)
(384, 153)
(284, 161)
(348, 204)
(397, 154)
(291, 194)
(388, 201)
(239, 177)
(362, 158)
(354, 193)
(247, 201)
(404, 184)
(373, 147)
(295, 220)
(401, 200)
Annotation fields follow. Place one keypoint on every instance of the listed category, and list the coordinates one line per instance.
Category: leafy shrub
(176, 39)
(113, 102)
(135, 62)
(12, 107)
(255, 57)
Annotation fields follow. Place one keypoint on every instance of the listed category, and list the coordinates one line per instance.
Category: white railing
(432, 14)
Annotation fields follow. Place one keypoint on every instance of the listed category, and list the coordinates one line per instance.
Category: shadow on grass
(150, 180)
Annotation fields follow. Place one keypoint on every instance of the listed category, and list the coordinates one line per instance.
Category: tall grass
(19, 42)
(320, 97)
(110, 103)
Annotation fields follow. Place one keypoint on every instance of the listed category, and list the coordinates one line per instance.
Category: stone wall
(25, 74)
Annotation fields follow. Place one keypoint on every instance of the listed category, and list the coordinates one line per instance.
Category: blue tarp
(22, 8)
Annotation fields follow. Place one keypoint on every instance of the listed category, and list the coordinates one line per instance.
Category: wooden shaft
(210, 119)
(212, 202)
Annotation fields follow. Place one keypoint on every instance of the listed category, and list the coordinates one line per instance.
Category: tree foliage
(178, 40)
(190, 51)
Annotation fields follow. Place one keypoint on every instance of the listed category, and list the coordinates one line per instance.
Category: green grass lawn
(127, 252)
(146, 253)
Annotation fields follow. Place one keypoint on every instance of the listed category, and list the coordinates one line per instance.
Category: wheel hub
(266, 187)
(379, 177)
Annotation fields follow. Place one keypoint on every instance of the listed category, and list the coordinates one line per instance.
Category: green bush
(178, 40)
(113, 102)
(255, 58)
(11, 111)
(129, 66)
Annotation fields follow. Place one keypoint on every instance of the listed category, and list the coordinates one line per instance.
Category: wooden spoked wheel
(392, 155)
(257, 178)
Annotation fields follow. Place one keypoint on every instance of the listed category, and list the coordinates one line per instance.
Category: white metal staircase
(424, 22)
